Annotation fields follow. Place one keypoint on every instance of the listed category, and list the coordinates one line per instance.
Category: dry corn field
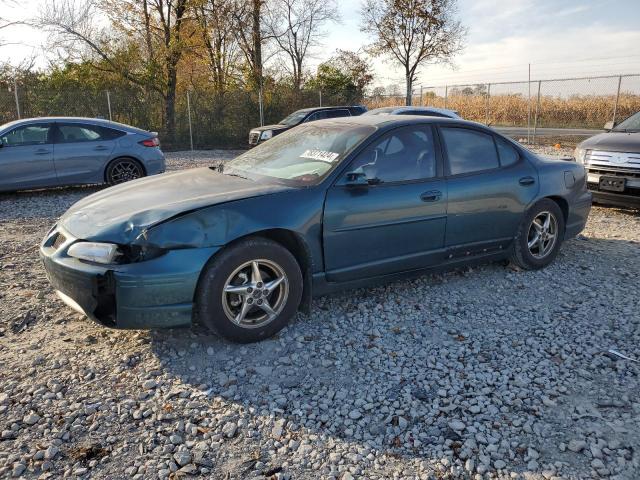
(579, 111)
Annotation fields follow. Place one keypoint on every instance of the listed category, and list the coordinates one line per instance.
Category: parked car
(260, 134)
(328, 205)
(56, 151)
(426, 111)
(612, 160)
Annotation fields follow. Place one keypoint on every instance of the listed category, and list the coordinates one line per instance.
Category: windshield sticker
(320, 155)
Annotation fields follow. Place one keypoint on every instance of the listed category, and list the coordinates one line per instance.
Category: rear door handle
(42, 151)
(100, 147)
(527, 181)
(431, 196)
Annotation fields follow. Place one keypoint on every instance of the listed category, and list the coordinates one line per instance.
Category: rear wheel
(123, 170)
(539, 236)
(249, 291)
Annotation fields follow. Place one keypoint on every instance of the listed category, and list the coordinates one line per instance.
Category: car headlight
(579, 154)
(266, 135)
(94, 251)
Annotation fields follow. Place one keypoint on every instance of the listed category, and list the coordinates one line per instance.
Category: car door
(82, 151)
(26, 157)
(489, 187)
(394, 223)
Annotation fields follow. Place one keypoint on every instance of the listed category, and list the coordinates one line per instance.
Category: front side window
(321, 115)
(294, 119)
(34, 134)
(405, 154)
(469, 150)
(301, 156)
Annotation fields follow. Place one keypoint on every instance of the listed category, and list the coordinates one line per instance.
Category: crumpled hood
(614, 142)
(120, 214)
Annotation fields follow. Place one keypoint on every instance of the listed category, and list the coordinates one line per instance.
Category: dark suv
(612, 161)
(260, 134)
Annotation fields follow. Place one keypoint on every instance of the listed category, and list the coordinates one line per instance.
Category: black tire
(122, 170)
(214, 308)
(522, 255)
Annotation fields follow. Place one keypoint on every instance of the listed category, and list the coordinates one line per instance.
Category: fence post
(109, 105)
(15, 93)
(261, 107)
(615, 106)
(189, 117)
(320, 95)
(535, 120)
(421, 97)
(446, 94)
(486, 105)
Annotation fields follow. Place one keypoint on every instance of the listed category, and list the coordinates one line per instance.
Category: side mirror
(609, 125)
(357, 179)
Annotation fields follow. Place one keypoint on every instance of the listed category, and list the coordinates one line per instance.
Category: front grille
(254, 137)
(613, 159)
(614, 171)
(60, 239)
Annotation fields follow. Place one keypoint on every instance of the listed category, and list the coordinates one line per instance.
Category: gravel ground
(477, 373)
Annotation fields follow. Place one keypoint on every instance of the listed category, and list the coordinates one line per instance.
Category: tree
(219, 44)
(413, 32)
(248, 29)
(297, 27)
(344, 76)
(144, 42)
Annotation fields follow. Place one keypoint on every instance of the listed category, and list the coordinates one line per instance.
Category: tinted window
(322, 114)
(469, 150)
(338, 113)
(78, 132)
(34, 134)
(508, 154)
(403, 154)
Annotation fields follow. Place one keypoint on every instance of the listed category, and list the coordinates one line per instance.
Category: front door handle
(431, 196)
(100, 147)
(527, 181)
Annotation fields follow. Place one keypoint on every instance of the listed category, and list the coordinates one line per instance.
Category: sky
(559, 38)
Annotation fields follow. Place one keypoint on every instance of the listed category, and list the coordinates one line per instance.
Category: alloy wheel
(543, 234)
(124, 171)
(255, 293)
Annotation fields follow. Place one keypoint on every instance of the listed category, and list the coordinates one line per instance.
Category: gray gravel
(477, 373)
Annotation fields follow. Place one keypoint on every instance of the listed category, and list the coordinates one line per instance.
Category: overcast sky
(560, 39)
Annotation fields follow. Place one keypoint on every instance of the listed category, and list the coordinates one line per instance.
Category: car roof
(391, 110)
(93, 121)
(384, 121)
(313, 109)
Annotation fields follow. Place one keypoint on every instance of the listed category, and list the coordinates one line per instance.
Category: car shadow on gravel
(382, 370)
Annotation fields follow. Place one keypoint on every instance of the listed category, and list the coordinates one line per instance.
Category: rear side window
(508, 154)
(79, 132)
(469, 150)
(343, 112)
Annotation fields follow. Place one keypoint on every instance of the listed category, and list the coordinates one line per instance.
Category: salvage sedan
(328, 205)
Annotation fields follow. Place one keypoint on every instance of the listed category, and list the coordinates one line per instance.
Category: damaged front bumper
(157, 293)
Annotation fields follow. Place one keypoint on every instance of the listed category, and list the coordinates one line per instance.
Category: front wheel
(539, 236)
(249, 291)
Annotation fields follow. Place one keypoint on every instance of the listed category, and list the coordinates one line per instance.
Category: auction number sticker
(320, 155)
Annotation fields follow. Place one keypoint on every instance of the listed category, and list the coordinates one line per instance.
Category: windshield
(378, 111)
(301, 156)
(293, 119)
(631, 124)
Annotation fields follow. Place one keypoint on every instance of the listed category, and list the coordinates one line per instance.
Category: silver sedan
(56, 151)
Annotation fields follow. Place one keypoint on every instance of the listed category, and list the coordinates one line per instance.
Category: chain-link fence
(203, 118)
(541, 106)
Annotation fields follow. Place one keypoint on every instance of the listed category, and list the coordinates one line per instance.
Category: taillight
(150, 142)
